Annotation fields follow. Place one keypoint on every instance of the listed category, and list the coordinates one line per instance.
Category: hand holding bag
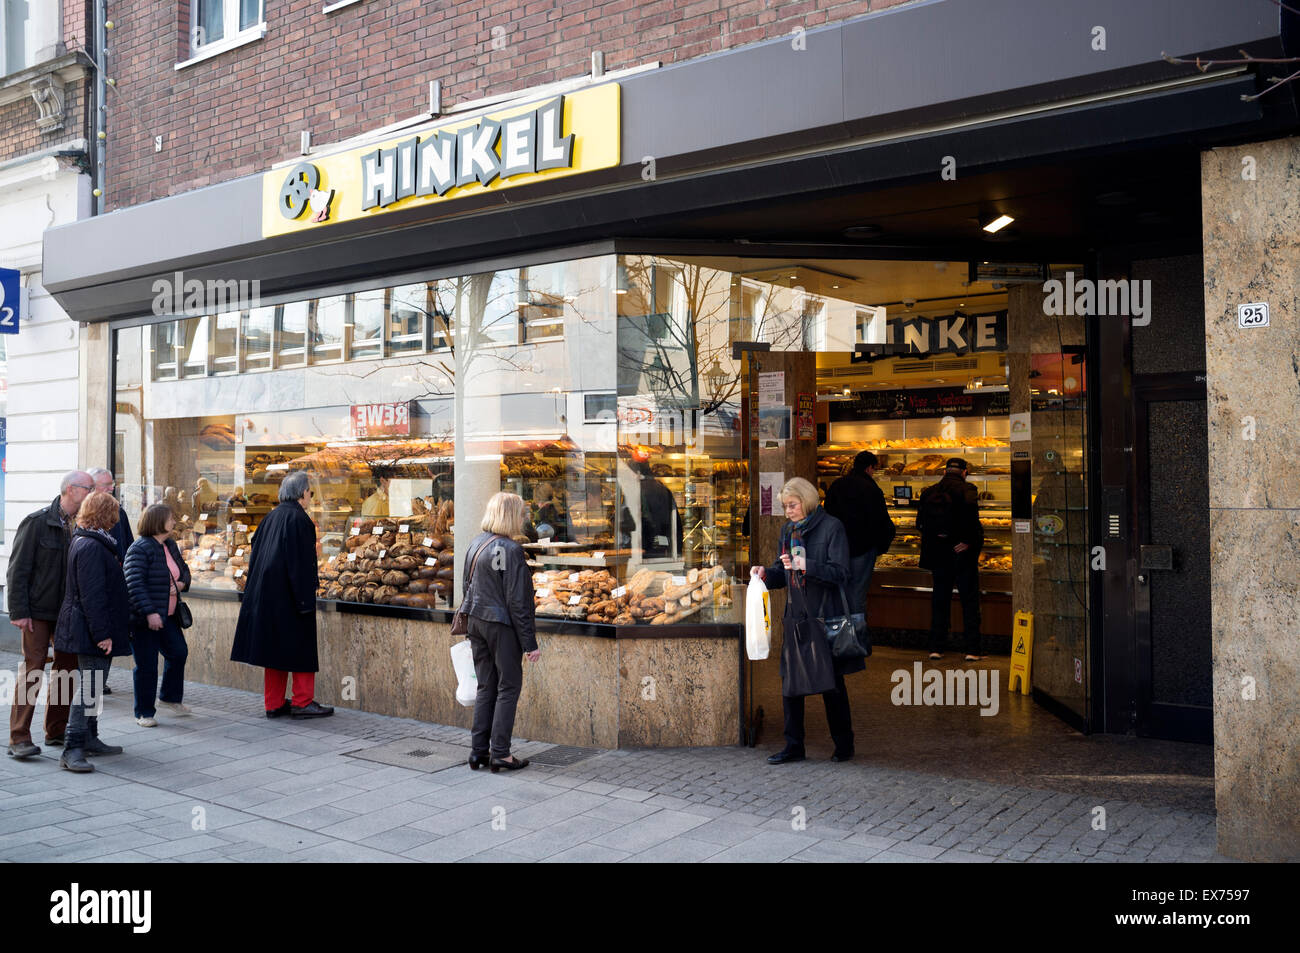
(847, 634)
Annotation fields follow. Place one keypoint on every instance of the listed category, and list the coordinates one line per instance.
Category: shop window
(542, 302)
(600, 408)
(162, 351)
(194, 347)
(258, 337)
(291, 334)
(29, 34)
(407, 314)
(225, 342)
(216, 24)
(329, 316)
(368, 309)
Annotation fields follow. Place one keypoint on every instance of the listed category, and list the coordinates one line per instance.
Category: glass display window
(368, 309)
(329, 317)
(258, 338)
(291, 334)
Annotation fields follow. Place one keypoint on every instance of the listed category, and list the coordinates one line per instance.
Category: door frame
(1167, 720)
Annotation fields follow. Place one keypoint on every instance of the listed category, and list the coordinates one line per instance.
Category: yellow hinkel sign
(546, 139)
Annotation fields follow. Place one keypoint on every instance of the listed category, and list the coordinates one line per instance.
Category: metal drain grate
(562, 755)
(420, 754)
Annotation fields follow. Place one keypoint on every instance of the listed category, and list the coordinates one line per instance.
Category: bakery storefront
(643, 307)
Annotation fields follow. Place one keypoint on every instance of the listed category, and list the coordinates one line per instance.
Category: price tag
(428, 541)
(383, 553)
(404, 528)
(239, 551)
(352, 557)
(238, 509)
(355, 531)
(544, 541)
(377, 531)
(679, 580)
(203, 516)
(185, 518)
(431, 561)
(598, 555)
(620, 592)
(573, 577)
(238, 573)
(543, 593)
(575, 600)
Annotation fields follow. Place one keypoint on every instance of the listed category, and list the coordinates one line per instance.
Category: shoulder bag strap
(474, 563)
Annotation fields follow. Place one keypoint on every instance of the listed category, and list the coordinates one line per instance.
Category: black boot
(93, 744)
(74, 759)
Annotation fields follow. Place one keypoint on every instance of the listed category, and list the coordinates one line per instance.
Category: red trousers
(304, 688)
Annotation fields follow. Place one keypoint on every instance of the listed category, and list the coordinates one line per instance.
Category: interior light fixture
(996, 224)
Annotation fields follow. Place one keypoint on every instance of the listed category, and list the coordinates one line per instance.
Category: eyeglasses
(81, 486)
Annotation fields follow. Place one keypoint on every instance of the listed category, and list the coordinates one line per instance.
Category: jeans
(499, 666)
(860, 570)
(83, 715)
(963, 572)
(146, 644)
(837, 715)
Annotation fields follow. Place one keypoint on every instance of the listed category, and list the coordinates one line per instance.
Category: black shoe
(839, 756)
(24, 749)
(789, 754)
(477, 761)
(95, 746)
(312, 710)
(278, 712)
(75, 760)
(55, 741)
(514, 764)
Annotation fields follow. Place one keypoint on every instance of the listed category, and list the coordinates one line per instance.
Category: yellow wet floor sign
(1022, 651)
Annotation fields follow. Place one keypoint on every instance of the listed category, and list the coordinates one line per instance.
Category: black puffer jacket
(148, 581)
(502, 589)
(95, 604)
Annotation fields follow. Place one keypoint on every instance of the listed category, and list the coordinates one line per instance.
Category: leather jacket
(502, 586)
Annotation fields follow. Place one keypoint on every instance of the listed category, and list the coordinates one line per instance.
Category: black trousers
(499, 667)
(837, 715)
(962, 572)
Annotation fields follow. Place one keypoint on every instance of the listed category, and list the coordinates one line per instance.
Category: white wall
(43, 356)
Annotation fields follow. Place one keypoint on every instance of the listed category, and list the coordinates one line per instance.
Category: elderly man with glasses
(37, 570)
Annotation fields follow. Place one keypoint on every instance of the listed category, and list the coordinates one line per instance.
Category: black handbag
(184, 618)
(807, 667)
(847, 634)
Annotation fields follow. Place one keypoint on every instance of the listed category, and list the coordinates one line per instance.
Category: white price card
(355, 531)
(543, 593)
(679, 580)
(573, 577)
(428, 540)
(238, 573)
(377, 531)
(404, 528)
(238, 509)
(598, 555)
(1253, 315)
(352, 557)
(383, 553)
(544, 541)
(575, 600)
(431, 561)
(620, 592)
(203, 516)
(239, 551)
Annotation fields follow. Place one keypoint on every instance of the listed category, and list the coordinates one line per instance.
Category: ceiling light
(834, 286)
(997, 224)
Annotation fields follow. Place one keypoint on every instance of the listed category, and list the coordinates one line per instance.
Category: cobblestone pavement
(228, 785)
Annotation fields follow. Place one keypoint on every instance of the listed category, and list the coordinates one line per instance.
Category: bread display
(381, 564)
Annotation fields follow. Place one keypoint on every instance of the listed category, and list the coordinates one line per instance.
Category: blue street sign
(10, 297)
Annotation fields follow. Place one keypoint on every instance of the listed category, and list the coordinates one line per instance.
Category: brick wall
(370, 64)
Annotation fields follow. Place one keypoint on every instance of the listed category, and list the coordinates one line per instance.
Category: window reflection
(259, 330)
(225, 343)
(329, 317)
(292, 337)
(406, 318)
(368, 323)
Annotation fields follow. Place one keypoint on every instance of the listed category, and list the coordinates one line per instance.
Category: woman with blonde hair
(93, 624)
(497, 596)
(814, 563)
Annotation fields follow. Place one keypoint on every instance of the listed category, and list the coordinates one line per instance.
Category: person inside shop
(947, 517)
(276, 629)
(376, 504)
(546, 515)
(498, 602)
(661, 524)
(814, 564)
(856, 500)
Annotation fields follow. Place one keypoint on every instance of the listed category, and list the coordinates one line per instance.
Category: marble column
(1250, 207)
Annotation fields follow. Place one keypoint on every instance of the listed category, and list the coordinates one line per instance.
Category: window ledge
(338, 5)
(252, 34)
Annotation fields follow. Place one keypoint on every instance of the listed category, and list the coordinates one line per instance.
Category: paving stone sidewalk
(229, 785)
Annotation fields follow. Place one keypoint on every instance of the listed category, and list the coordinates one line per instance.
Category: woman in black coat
(277, 619)
(815, 560)
(93, 624)
(155, 577)
(497, 595)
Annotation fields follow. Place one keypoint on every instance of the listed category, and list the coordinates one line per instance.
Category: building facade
(644, 287)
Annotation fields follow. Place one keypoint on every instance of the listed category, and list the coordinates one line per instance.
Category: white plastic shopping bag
(462, 660)
(758, 620)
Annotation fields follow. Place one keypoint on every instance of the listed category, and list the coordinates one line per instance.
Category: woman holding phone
(814, 563)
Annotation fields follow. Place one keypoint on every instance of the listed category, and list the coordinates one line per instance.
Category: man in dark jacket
(661, 524)
(856, 500)
(948, 520)
(277, 618)
(37, 573)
